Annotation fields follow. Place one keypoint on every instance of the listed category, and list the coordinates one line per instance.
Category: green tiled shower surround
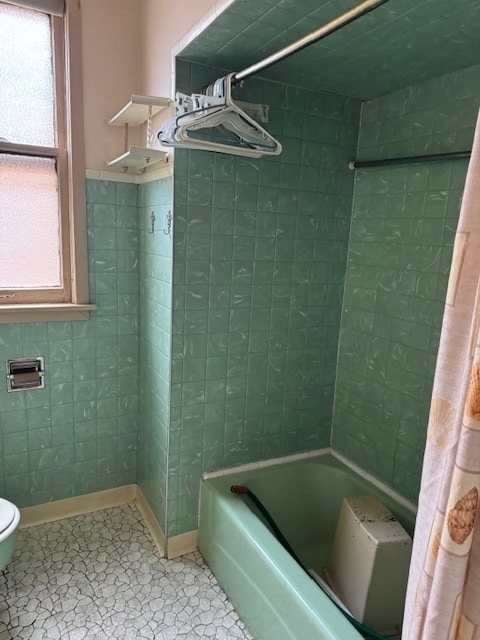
(346, 62)
(228, 353)
(259, 266)
(401, 240)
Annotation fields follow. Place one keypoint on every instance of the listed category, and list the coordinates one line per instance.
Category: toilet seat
(8, 515)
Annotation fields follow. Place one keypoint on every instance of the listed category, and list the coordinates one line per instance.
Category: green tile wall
(403, 226)
(259, 265)
(155, 255)
(79, 433)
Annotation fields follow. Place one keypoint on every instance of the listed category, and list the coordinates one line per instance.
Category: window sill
(65, 312)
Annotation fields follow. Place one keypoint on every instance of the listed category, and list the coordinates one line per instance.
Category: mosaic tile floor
(99, 576)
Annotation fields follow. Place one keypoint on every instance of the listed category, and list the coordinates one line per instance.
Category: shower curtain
(443, 595)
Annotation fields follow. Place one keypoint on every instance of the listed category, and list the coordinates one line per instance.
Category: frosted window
(26, 77)
(29, 223)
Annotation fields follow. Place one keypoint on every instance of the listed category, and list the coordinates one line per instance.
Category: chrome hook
(169, 224)
(152, 223)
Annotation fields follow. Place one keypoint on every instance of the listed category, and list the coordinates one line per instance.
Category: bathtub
(273, 595)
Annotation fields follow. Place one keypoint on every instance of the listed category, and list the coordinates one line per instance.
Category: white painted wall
(111, 31)
(127, 48)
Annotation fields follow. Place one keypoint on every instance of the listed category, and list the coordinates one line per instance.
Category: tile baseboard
(77, 505)
(182, 544)
(151, 522)
(90, 502)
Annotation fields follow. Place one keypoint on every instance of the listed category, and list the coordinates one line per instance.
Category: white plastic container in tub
(369, 563)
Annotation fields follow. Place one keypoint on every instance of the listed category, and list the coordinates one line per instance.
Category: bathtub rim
(311, 456)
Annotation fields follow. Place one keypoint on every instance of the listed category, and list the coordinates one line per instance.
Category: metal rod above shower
(314, 36)
(389, 162)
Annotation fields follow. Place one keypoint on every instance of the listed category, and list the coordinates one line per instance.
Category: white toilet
(9, 521)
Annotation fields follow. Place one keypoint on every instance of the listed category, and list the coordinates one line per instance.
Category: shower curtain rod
(314, 36)
(387, 162)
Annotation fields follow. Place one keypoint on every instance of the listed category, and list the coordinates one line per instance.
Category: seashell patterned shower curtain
(443, 595)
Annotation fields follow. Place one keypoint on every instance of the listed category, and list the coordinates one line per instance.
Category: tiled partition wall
(259, 265)
(403, 226)
(155, 314)
(79, 433)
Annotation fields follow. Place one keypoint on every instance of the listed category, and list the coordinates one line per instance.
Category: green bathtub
(273, 595)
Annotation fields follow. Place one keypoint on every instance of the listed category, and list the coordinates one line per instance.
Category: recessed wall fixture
(24, 374)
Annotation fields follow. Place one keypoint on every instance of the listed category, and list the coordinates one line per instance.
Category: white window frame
(71, 303)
